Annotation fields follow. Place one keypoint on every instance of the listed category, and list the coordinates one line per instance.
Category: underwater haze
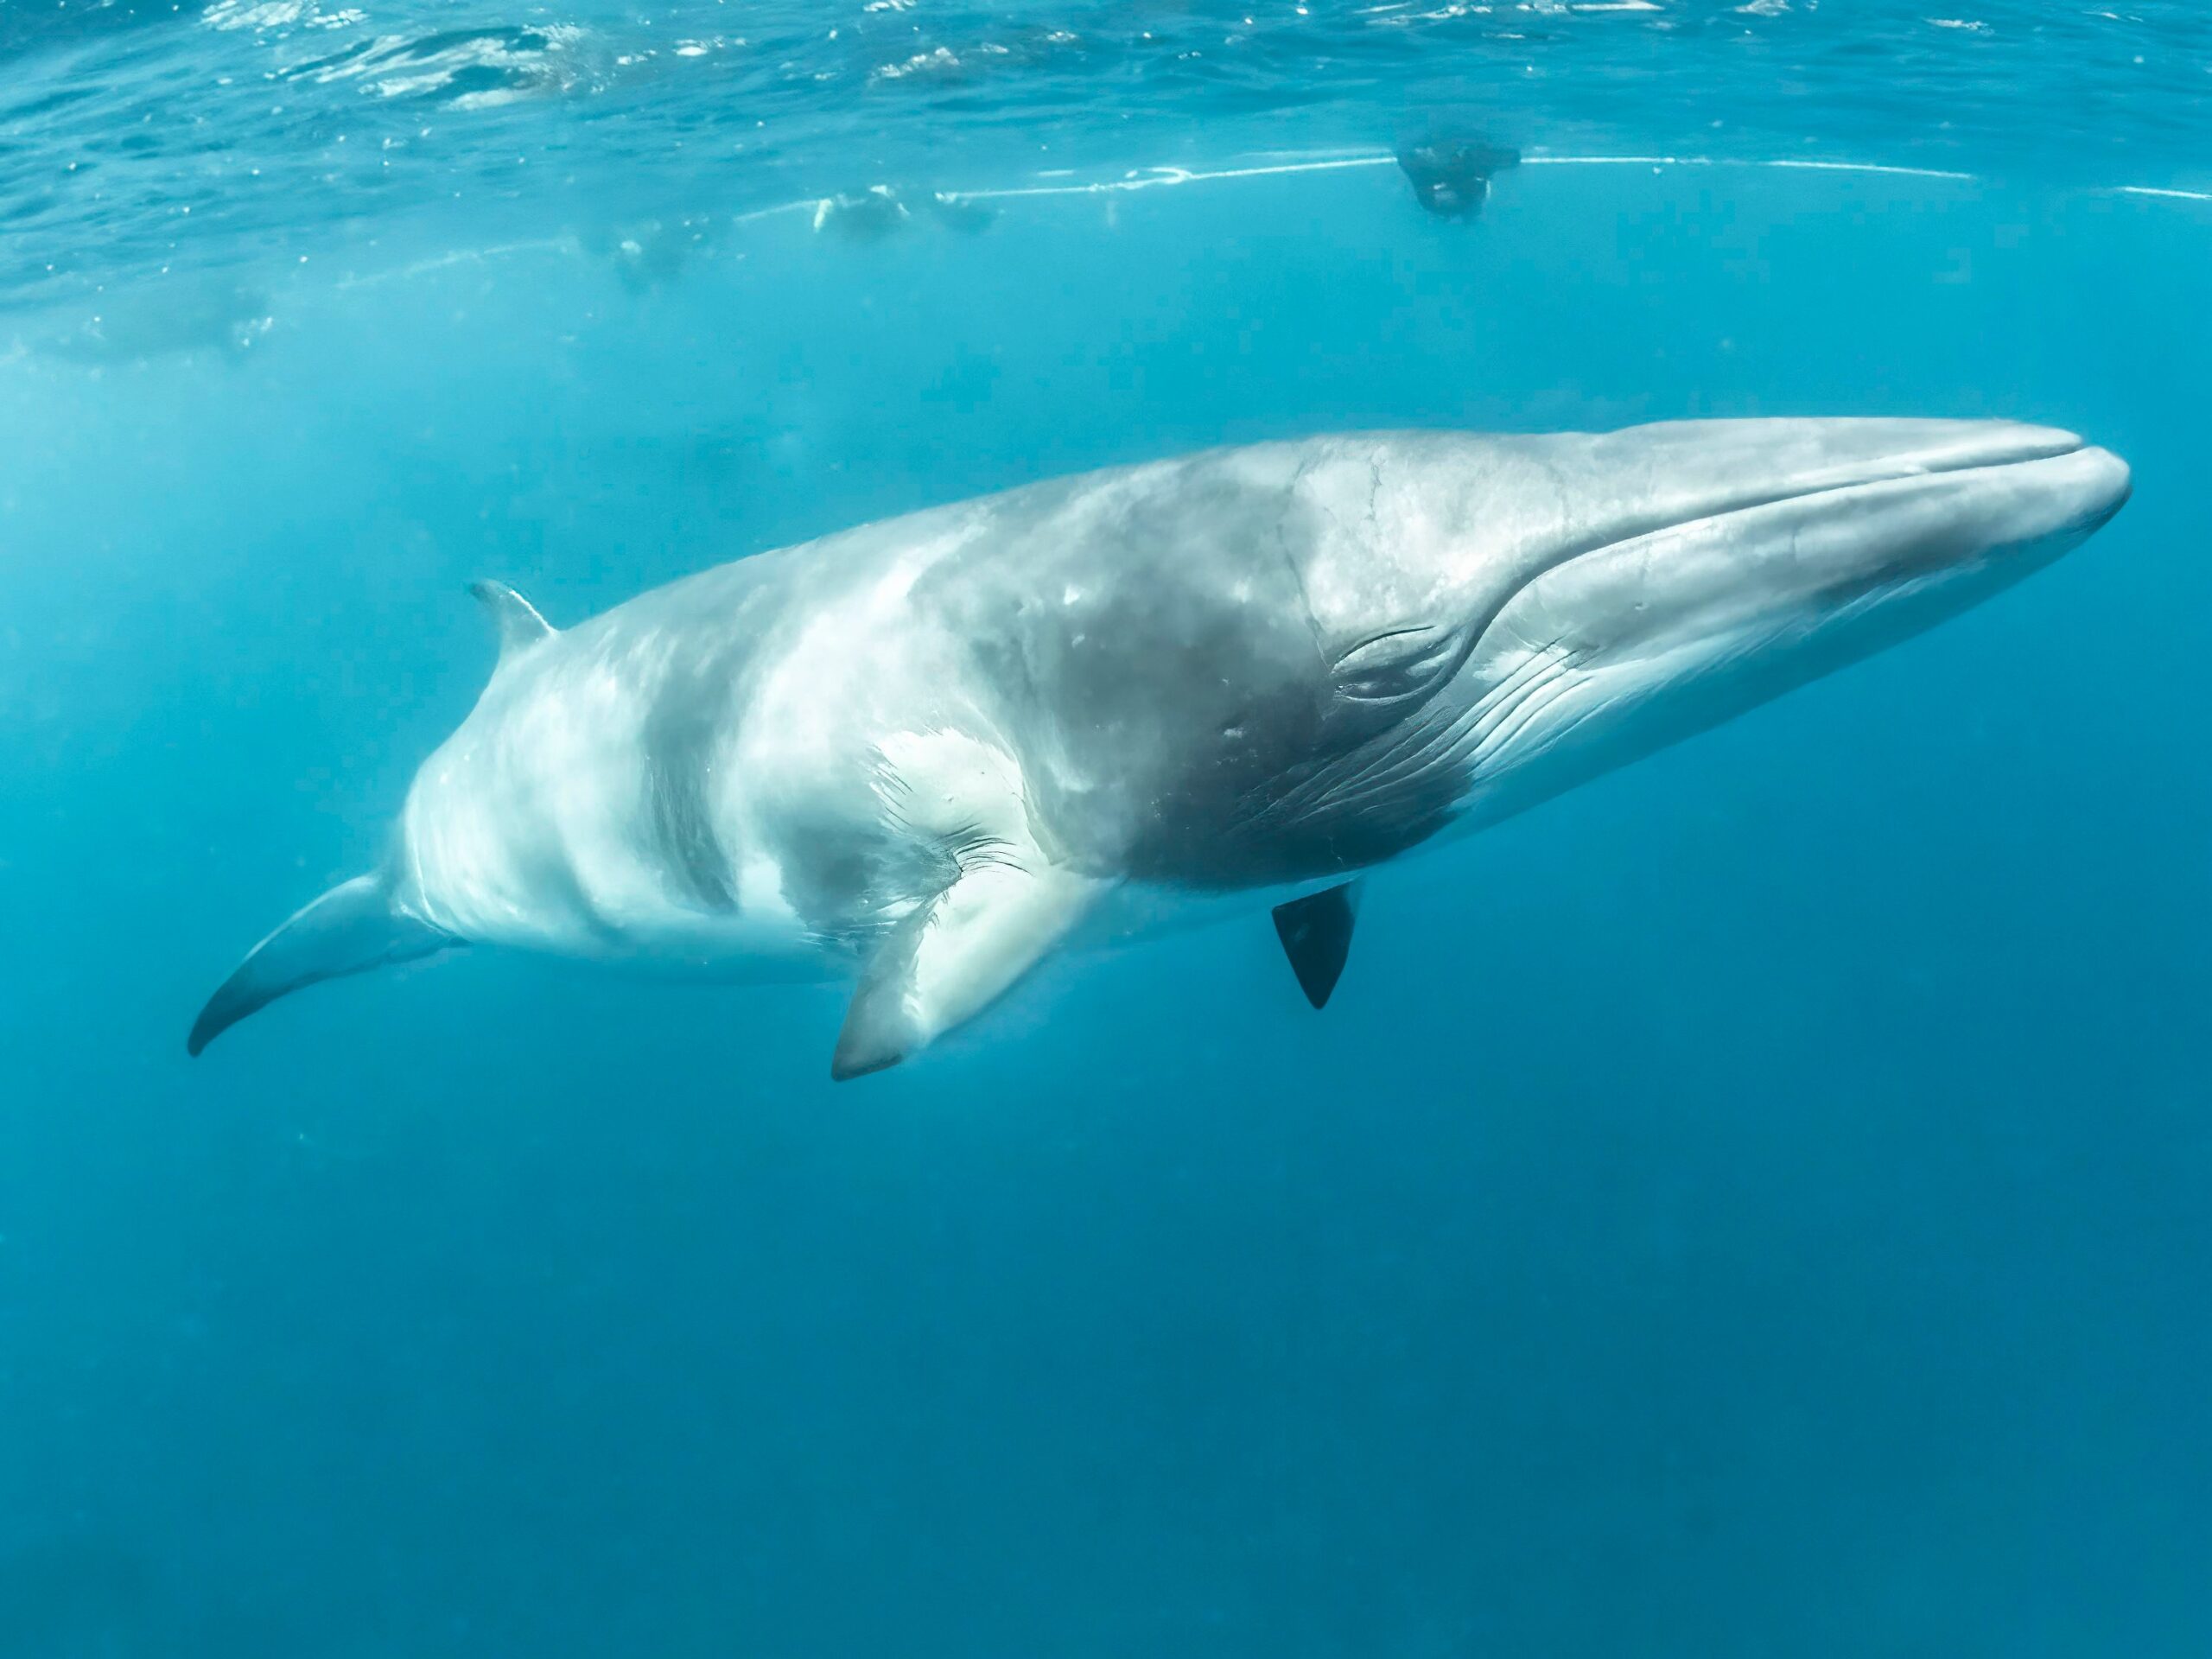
(1758, 1203)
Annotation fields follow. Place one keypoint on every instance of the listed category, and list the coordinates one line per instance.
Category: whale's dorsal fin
(519, 625)
(1316, 935)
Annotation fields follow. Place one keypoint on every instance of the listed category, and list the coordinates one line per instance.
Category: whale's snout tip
(2040, 484)
(2083, 488)
(2112, 481)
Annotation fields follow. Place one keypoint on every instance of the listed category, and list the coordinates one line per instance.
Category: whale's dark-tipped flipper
(350, 929)
(1316, 935)
(953, 957)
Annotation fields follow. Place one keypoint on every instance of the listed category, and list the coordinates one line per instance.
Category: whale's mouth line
(1904, 471)
(2026, 448)
(1843, 481)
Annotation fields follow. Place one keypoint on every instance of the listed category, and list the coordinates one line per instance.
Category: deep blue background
(1756, 1204)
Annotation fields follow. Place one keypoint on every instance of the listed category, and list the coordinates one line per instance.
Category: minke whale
(922, 755)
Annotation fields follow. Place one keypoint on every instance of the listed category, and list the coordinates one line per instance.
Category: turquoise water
(1754, 1205)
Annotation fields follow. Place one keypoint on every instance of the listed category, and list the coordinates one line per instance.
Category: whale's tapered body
(925, 752)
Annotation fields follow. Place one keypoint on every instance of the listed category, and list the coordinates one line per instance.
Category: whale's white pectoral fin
(954, 956)
(1006, 902)
(519, 625)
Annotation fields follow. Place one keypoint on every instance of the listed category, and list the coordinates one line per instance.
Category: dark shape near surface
(958, 212)
(867, 215)
(1452, 180)
(1316, 935)
(648, 254)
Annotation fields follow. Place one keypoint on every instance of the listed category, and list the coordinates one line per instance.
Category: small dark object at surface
(1452, 181)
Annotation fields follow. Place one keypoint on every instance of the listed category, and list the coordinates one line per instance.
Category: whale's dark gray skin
(926, 753)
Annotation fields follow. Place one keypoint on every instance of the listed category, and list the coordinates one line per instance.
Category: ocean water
(1758, 1204)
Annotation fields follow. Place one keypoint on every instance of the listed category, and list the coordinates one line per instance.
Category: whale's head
(1574, 601)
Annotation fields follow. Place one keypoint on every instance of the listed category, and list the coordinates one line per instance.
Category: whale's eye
(1398, 664)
